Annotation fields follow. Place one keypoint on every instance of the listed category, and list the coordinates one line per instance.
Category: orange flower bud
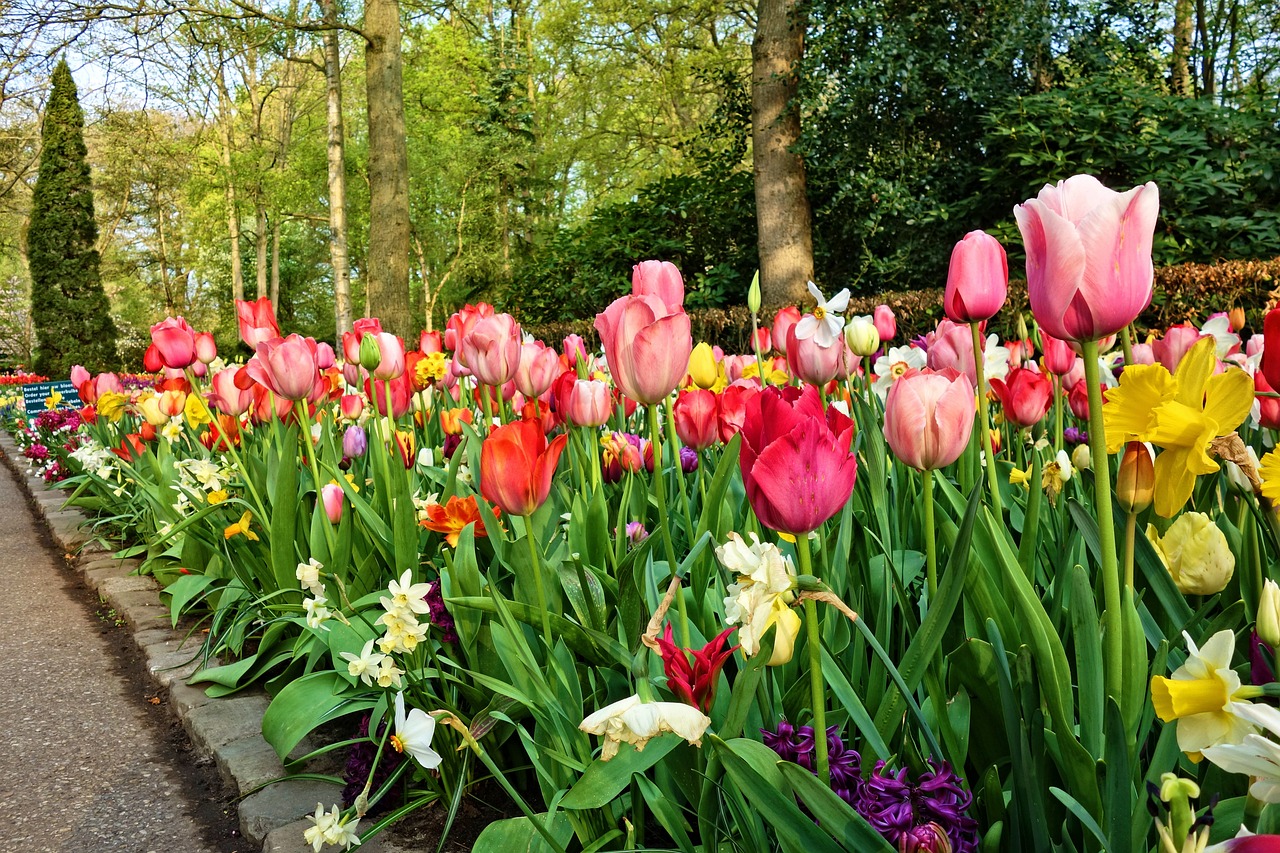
(1135, 483)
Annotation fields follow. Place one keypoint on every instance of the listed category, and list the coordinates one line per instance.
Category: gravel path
(86, 763)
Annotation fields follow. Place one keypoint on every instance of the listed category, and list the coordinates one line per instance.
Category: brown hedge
(1186, 292)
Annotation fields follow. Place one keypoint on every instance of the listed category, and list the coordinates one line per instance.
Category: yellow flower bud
(1196, 554)
(1135, 483)
(787, 622)
(1080, 458)
(1269, 614)
(702, 365)
(861, 336)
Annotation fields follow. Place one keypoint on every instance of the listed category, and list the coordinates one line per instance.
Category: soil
(421, 829)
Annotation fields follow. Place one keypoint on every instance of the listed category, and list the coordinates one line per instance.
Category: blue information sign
(39, 396)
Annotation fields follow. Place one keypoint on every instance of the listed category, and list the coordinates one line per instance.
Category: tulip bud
(861, 335)
(370, 354)
(354, 442)
(1237, 318)
(331, 496)
(1269, 614)
(702, 366)
(151, 361)
(753, 294)
(1135, 483)
(1080, 458)
(1196, 554)
(206, 348)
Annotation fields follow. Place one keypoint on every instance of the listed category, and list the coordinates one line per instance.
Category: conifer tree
(68, 305)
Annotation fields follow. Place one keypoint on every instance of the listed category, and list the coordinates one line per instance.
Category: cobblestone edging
(227, 730)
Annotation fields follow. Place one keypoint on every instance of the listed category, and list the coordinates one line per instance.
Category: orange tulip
(516, 466)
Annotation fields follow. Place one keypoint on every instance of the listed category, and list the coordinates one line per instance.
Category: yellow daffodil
(1020, 478)
(241, 527)
(217, 496)
(1180, 413)
(52, 401)
(111, 405)
(430, 368)
(196, 411)
(1200, 693)
(775, 377)
(1269, 473)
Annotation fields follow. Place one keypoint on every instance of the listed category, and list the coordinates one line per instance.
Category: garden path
(84, 763)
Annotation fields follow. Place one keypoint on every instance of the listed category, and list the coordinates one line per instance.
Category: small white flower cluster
(407, 601)
(96, 459)
(331, 828)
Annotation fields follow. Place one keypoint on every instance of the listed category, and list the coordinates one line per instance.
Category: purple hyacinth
(792, 743)
(900, 811)
(440, 615)
(1074, 435)
(360, 761)
(796, 744)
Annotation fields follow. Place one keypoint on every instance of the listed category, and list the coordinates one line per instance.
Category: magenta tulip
(796, 460)
(175, 341)
(1059, 358)
(287, 366)
(978, 279)
(647, 346)
(886, 323)
(491, 349)
(1170, 349)
(810, 361)
(660, 278)
(1089, 270)
(928, 417)
(951, 347)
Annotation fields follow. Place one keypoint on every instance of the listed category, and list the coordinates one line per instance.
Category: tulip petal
(805, 478)
(1055, 264)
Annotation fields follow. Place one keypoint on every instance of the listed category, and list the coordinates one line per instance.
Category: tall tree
(336, 159)
(783, 217)
(69, 307)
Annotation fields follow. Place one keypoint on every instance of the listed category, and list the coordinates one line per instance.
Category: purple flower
(902, 812)
(688, 460)
(440, 615)
(360, 761)
(451, 443)
(1260, 655)
(791, 743)
(354, 442)
(1075, 436)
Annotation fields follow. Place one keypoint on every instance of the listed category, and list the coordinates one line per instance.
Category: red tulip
(886, 323)
(1269, 407)
(331, 497)
(694, 682)
(131, 447)
(1024, 395)
(151, 360)
(1059, 358)
(429, 342)
(731, 408)
(1089, 269)
(539, 367)
(491, 350)
(206, 347)
(257, 321)
(590, 402)
(647, 346)
(175, 341)
(351, 406)
(661, 279)
(763, 340)
(401, 395)
(782, 323)
(1271, 347)
(928, 417)
(796, 461)
(978, 279)
(695, 419)
(287, 366)
(516, 466)
(811, 362)
(1078, 400)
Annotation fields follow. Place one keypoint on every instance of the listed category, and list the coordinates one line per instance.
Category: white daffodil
(1200, 695)
(760, 562)
(308, 575)
(1257, 756)
(317, 613)
(414, 733)
(995, 360)
(635, 722)
(894, 363)
(364, 666)
(330, 828)
(824, 324)
(406, 595)
(760, 597)
(388, 674)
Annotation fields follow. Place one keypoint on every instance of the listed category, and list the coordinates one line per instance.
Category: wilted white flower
(632, 721)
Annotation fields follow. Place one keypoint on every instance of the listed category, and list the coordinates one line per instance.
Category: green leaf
(305, 704)
(185, 590)
(284, 519)
(605, 780)
(518, 835)
(833, 814)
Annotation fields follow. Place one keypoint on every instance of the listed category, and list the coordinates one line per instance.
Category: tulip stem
(930, 543)
(487, 407)
(1112, 632)
(315, 471)
(231, 448)
(1126, 343)
(674, 442)
(535, 560)
(1057, 413)
(817, 685)
(983, 427)
(660, 494)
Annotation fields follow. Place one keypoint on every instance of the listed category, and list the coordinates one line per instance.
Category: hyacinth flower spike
(694, 682)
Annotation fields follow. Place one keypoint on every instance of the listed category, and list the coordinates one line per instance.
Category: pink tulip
(226, 396)
(429, 342)
(886, 323)
(391, 356)
(1078, 399)
(951, 347)
(459, 325)
(351, 406)
(1170, 349)
(401, 395)
(782, 323)
(325, 356)
(1075, 375)
(1143, 354)
(590, 403)
(928, 417)
(796, 461)
(175, 341)
(539, 367)
(331, 496)
(1089, 270)
(978, 279)
(661, 279)
(695, 419)
(206, 347)
(647, 346)
(763, 340)
(1058, 355)
(810, 361)
(288, 367)
(574, 348)
(731, 408)
(257, 321)
(491, 350)
(79, 375)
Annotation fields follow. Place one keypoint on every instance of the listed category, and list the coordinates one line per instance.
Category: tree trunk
(783, 218)
(1206, 51)
(260, 240)
(1180, 66)
(275, 265)
(387, 280)
(337, 173)
(233, 212)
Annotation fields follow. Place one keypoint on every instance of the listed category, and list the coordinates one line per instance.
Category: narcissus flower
(414, 733)
(365, 665)
(241, 527)
(1200, 693)
(330, 828)
(635, 722)
(824, 323)
(1256, 755)
(1195, 552)
(760, 598)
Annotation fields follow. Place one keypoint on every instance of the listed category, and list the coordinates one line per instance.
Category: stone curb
(226, 730)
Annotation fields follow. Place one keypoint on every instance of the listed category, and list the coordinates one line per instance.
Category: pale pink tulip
(647, 345)
(590, 403)
(539, 367)
(288, 367)
(660, 278)
(491, 350)
(1170, 349)
(810, 361)
(928, 417)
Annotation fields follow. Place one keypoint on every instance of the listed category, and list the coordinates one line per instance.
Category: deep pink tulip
(390, 356)
(351, 406)
(491, 350)
(206, 347)
(928, 417)
(287, 366)
(660, 278)
(1024, 395)
(1271, 347)
(782, 323)
(1251, 844)
(1078, 399)
(886, 323)
(1059, 358)
(574, 348)
(731, 408)
(401, 395)
(695, 419)
(810, 361)
(539, 367)
(226, 396)
(647, 346)
(796, 461)
(951, 347)
(1170, 349)
(325, 356)
(978, 279)
(331, 496)
(429, 342)
(175, 341)
(590, 403)
(257, 321)
(1089, 270)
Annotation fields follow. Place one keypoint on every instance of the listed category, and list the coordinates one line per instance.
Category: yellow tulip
(702, 365)
(149, 406)
(1196, 554)
(1268, 626)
